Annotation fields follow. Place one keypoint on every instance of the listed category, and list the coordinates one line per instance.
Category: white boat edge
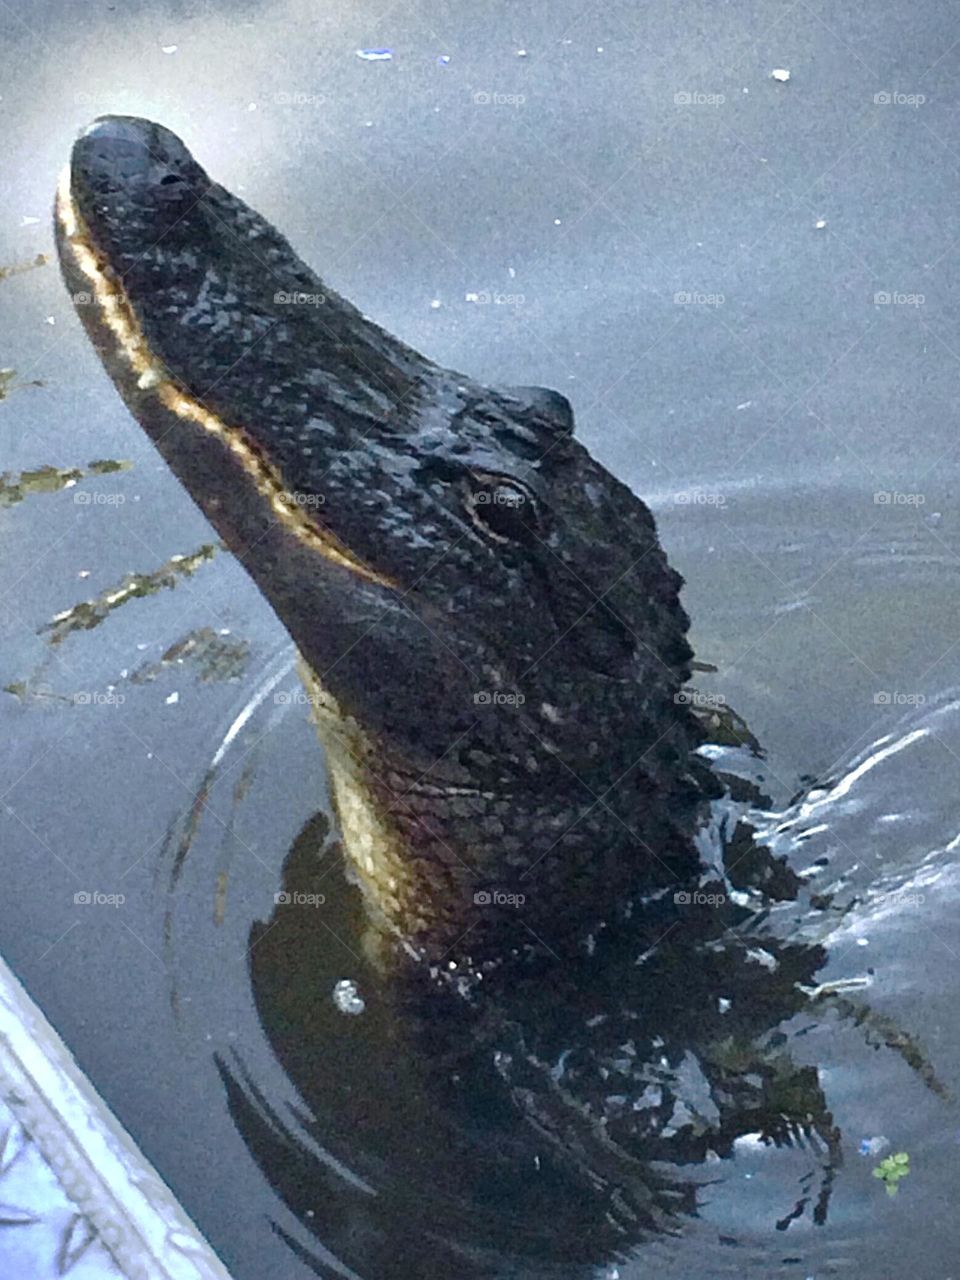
(97, 1164)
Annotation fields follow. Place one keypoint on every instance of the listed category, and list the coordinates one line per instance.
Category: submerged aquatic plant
(891, 1170)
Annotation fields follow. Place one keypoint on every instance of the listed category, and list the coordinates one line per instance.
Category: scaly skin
(492, 633)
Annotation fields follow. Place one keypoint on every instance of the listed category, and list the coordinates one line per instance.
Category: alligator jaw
(117, 334)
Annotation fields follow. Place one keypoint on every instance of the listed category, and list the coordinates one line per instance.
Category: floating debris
(781, 74)
(7, 384)
(443, 60)
(891, 1170)
(17, 268)
(214, 656)
(14, 487)
(37, 693)
(820, 223)
(375, 55)
(347, 998)
(28, 221)
(873, 1146)
(169, 48)
(90, 613)
(220, 899)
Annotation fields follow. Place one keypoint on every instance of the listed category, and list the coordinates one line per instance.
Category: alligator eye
(502, 508)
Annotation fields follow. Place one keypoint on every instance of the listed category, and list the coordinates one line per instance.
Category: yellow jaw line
(152, 377)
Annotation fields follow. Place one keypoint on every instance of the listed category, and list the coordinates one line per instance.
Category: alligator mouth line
(152, 378)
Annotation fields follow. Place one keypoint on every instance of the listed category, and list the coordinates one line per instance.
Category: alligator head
(491, 633)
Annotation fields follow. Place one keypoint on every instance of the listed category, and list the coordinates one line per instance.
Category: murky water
(790, 418)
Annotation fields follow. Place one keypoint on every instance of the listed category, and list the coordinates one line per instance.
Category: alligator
(492, 637)
(496, 655)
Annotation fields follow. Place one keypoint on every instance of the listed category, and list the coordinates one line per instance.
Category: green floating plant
(891, 1170)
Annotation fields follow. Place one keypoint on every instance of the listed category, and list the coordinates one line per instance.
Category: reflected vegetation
(8, 382)
(91, 613)
(19, 268)
(16, 486)
(213, 655)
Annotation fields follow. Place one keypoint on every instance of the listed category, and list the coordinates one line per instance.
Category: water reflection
(572, 1111)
